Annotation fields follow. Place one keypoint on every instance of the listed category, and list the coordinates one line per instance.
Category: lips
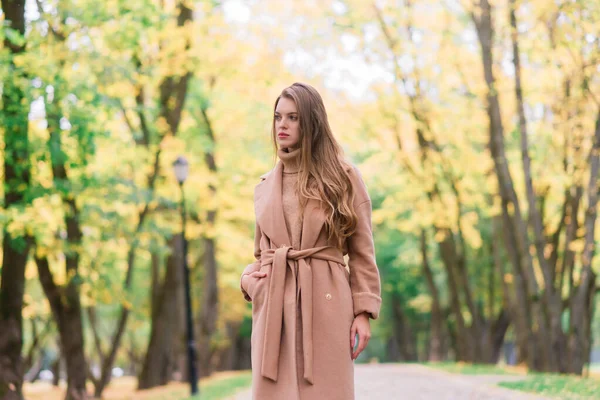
(282, 135)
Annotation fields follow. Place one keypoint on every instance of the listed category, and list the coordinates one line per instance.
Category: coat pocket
(251, 285)
(256, 285)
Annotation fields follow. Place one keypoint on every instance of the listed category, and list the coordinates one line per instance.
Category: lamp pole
(181, 171)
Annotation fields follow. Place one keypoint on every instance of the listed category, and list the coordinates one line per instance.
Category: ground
(417, 382)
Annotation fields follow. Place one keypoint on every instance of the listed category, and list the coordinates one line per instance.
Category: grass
(216, 387)
(220, 390)
(560, 386)
(567, 387)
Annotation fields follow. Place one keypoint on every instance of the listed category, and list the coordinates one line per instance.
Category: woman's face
(287, 127)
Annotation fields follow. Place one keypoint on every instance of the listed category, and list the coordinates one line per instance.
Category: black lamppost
(181, 172)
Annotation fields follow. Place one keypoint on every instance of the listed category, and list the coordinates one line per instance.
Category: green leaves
(14, 36)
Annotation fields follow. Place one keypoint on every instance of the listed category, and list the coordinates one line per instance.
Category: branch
(139, 99)
(554, 239)
(35, 344)
(91, 376)
(56, 33)
(52, 291)
(93, 324)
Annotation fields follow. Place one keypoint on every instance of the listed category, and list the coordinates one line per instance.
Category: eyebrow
(293, 112)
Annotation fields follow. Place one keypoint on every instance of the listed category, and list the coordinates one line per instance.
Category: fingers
(352, 336)
(356, 352)
(363, 340)
(258, 274)
(360, 348)
(255, 274)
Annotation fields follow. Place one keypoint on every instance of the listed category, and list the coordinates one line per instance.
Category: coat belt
(282, 258)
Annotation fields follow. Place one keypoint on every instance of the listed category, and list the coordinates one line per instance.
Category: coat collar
(269, 212)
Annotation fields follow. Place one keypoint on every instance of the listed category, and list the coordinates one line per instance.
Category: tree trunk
(581, 306)
(65, 301)
(16, 181)
(209, 311)
(451, 246)
(66, 308)
(464, 343)
(240, 342)
(56, 370)
(160, 356)
(35, 355)
(512, 312)
(436, 342)
(229, 356)
(552, 299)
(515, 226)
(402, 330)
(496, 338)
(173, 92)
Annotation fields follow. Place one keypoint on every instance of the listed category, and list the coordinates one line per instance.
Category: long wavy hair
(322, 174)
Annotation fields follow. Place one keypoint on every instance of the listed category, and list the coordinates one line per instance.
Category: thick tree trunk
(66, 308)
(16, 181)
(160, 356)
(73, 344)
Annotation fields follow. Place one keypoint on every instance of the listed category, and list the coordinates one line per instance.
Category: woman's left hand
(362, 327)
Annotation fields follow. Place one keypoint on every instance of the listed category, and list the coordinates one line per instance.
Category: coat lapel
(269, 207)
(269, 212)
(312, 223)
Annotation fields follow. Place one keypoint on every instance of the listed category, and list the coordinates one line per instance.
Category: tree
(544, 305)
(16, 242)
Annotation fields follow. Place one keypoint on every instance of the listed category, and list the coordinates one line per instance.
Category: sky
(348, 73)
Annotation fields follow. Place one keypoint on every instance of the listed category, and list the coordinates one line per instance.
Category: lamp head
(181, 168)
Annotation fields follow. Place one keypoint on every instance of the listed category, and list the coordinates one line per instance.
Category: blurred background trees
(476, 125)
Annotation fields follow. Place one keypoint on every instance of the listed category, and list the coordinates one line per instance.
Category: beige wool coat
(302, 311)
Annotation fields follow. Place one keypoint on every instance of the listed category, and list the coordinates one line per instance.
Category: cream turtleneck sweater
(291, 203)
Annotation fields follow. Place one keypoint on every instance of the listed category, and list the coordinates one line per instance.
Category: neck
(290, 157)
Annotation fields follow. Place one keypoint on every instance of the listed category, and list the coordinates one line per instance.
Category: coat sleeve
(255, 266)
(365, 282)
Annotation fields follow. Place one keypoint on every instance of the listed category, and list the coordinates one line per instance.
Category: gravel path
(416, 382)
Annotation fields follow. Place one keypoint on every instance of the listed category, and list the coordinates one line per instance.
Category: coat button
(328, 296)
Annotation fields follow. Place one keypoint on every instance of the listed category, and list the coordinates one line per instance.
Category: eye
(294, 118)
(277, 117)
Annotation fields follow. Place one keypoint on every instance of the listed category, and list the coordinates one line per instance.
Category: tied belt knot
(282, 258)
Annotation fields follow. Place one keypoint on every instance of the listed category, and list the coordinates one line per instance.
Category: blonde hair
(323, 172)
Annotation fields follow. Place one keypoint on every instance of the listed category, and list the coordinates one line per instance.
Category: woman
(311, 210)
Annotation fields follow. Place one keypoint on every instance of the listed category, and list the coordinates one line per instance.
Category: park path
(417, 382)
